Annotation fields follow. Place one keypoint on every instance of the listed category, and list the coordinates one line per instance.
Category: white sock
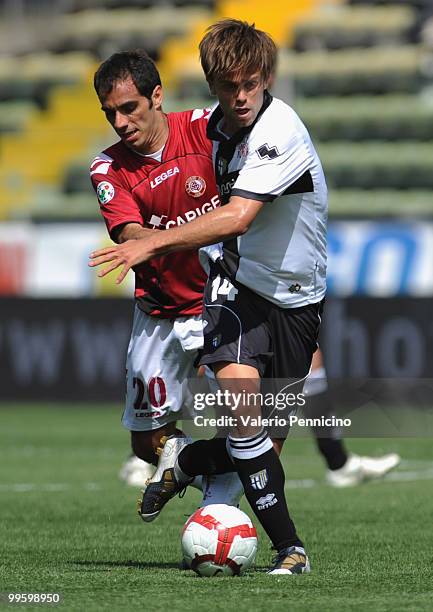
(222, 489)
(197, 483)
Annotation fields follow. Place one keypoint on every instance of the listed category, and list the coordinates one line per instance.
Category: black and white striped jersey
(282, 256)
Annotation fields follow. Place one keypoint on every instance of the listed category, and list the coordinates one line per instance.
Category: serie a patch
(105, 192)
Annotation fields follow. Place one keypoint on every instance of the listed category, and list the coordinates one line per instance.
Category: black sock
(333, 452)
(206, 457)
(327, 439)
(262, 476)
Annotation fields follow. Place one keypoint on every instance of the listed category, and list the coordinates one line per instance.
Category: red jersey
(159, 195)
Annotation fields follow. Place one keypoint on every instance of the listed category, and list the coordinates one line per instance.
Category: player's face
(136, 120)
(241, 98)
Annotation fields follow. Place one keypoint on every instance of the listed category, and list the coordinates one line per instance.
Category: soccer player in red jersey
(159, 175)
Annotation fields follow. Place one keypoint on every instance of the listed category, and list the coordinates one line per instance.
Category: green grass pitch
(68, 525)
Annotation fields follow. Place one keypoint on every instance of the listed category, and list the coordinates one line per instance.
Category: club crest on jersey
(259, 480)
(243, 149)
(195, 186)
(105, 192)
(216, 340)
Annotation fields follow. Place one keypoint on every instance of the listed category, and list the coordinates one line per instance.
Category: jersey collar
(213, 133)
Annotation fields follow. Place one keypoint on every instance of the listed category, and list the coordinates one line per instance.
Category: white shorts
(160, 359)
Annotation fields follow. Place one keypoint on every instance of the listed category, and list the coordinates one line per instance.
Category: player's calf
(147, 444)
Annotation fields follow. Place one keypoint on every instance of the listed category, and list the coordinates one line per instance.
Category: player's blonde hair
(234, 47)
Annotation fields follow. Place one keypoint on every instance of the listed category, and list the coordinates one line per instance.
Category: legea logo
(164, 176)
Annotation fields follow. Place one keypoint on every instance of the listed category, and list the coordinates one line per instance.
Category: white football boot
(167, 481)
(135, 471)
(359, 469)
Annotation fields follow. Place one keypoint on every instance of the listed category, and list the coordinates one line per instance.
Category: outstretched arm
(225, 222)
(133, 231)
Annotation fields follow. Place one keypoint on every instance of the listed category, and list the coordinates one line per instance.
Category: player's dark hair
(135, 64)
(232, 47)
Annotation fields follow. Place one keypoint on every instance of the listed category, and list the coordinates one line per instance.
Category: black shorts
(242, 327)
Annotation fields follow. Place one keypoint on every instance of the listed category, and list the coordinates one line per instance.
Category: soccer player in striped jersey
(267, 268)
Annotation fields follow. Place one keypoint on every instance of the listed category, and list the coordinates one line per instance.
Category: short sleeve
(116, 202)
(273, 165)
(199, 119)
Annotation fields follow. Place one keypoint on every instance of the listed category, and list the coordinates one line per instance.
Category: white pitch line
(396, 476)
(306, 483)
(399, 475)
(409, 476)
(416, 463)
(50, 487)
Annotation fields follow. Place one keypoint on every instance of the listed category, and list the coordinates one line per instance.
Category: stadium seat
(378, 165)
(378, 70)
(32, 77)
(357, 118)
(384, 203)
(104, 32)
(417, 4)
(81, 206)
(73, 123)
(15, 115)
(427, 33)
(347, 26)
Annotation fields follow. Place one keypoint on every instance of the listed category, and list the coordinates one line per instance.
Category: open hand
(125, 256)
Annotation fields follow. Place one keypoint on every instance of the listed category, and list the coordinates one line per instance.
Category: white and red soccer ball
(219, 540)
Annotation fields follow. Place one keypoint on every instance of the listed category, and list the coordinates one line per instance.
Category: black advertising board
(74, 350)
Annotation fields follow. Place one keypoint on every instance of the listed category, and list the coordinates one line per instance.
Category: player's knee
(142, 446)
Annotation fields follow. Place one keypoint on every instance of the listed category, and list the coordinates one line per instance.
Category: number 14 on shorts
(222, 286)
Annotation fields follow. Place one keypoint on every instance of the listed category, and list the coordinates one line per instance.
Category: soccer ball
(219, 540)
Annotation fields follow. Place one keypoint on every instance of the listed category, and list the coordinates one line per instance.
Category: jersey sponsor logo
(267, 151)
(105, 192)
(295, 288)
(161, 221)
(164, 176)
(157, 221)
(266, 502)
(195, 186)
(259, 480)
(101, 164)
